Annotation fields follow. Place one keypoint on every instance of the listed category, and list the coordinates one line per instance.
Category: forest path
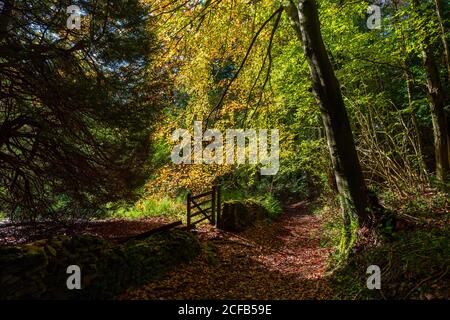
(278, 260)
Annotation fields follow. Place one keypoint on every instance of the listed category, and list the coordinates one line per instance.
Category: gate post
(189, 210)
(213, 206)
(218, 206)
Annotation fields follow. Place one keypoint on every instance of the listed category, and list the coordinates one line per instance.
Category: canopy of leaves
(76, 106)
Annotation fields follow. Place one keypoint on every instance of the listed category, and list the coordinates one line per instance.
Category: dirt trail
(281, 260)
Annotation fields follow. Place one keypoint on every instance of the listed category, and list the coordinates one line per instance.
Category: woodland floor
(19, 233)
(277, 260)
(281, 259)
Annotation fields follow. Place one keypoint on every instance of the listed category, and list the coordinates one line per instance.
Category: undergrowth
(151, 207)
(267, 200)
(414, 259)
(176, 207)
(414, 265)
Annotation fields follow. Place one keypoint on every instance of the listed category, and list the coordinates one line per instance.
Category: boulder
(236, 215)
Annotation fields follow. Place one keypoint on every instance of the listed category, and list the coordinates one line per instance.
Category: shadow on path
(278, 260)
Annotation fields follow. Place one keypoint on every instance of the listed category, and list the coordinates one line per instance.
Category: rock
(237, 216)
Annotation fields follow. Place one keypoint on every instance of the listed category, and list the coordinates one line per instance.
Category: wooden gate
(196, 207)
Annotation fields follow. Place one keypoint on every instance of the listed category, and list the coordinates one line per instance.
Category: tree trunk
(436, 97)
(442, 27)
(447, 119)
(437, 102)
(353, 193)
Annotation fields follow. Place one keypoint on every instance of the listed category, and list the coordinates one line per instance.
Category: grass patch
(332, 227)
(151, 207)
(271, 204)
(432, 204)
(234, 194)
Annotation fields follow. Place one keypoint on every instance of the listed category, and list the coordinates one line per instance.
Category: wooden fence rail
(195, 209)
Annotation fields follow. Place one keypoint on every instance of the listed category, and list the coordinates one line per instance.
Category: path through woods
(280, 260)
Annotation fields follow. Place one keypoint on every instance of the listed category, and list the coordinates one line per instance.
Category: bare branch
(227, 88)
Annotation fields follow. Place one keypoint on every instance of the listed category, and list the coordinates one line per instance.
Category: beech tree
(356, 204)
(437, 98)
